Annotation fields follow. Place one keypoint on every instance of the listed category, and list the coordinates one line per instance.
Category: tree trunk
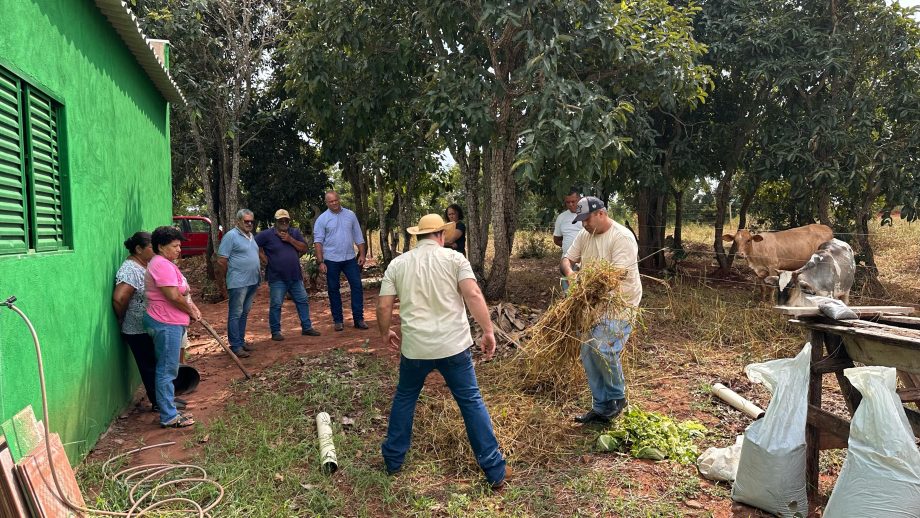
(386, 254)
(352, 170)
(504, 206)
(824, 203)
(474, 178)
(652, 211)
(207, 186)
(723, 198)
(678, 243)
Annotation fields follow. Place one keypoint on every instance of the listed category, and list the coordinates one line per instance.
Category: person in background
(454, 214)
(603, 239)
(169, 311)
(280, 248)
(435, 287)
(336, 232)
(566, 229)
(238, 259)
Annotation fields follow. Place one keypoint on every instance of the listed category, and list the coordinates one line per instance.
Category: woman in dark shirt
(457, 242)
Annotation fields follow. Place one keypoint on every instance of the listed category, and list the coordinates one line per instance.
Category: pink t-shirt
(162, 272)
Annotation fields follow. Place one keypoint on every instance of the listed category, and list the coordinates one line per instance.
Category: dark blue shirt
(283, 259)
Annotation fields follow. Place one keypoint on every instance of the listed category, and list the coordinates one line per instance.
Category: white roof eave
(125, 23)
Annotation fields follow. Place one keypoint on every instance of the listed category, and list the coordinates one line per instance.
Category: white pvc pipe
(732, 398)
(327, 456)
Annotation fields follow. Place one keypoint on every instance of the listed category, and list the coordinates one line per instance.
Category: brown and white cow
(770, 252)
(829, 273)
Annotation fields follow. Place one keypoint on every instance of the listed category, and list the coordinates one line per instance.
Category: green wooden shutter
(45, 172)
(13, 224)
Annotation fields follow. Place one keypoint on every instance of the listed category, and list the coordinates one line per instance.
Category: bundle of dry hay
(531, 396)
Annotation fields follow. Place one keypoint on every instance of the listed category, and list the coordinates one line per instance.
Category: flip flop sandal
(180, 421)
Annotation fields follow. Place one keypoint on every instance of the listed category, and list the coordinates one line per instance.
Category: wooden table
(883, 335)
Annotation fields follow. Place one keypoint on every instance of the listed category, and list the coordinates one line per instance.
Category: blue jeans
(167, 339)
(276, 292)
(458, 372)
(237, 313)
(353, 273)
(600, 356)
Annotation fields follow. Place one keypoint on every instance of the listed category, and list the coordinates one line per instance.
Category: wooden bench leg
(812, 433)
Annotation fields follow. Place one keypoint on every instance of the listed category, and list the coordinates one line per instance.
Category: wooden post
(835, 349)
(812, 433)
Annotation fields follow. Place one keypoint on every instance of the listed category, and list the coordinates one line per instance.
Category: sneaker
(309, 332)
(360, 324)
(278, 337)
(339, 326)
(241, 353)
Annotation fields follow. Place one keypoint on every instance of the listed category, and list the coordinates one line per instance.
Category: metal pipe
(732, 398)
(327, 456)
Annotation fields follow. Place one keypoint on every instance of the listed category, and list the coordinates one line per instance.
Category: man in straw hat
(604, 239)
(432, 283)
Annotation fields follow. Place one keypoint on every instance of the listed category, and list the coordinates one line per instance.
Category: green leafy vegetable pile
(650, 435)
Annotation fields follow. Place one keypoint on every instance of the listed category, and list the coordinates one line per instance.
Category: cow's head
(791, 288)
(744, 241)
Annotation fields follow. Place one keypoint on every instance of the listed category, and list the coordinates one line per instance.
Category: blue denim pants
(237, 312)
(353, 273)
(167, 340)
(276, 292)
(600, 356)
(460, 376)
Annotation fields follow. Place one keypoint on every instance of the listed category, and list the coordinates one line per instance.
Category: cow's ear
(771, 280)
(807, 288)
(784, 279)
(728, 237)
(757, 238)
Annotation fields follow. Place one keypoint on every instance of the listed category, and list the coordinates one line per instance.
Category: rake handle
(217, 337)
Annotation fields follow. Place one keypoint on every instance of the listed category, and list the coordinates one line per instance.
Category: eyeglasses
(248, 221)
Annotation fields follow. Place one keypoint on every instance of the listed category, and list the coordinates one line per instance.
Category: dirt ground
(138, 426)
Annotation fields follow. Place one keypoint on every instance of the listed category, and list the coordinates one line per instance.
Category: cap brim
(581, 217)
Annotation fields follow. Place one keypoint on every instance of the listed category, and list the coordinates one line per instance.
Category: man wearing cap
(566, 228)
(335, 234)
(280, 248)
(604, 239)
(238, 259)
(433, 283)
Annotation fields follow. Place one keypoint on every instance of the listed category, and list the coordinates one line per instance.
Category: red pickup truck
(195, 231)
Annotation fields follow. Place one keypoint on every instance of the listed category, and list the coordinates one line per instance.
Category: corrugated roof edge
(125, 23)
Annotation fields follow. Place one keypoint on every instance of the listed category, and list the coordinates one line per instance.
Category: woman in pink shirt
(169, 311)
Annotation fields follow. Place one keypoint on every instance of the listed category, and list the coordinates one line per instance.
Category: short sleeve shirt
(283, 258)
(242, 255)
(566, 229)
(338, 232)
(161, 272)
(431, 309)
(133, 274)
(617, 246)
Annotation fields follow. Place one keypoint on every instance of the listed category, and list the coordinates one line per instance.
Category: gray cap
(586, 206)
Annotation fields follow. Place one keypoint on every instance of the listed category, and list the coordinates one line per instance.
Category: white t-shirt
(617, 246)
(432, 312)
(566, 229)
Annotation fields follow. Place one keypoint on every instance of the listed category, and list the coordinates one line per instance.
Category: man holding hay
(603, 239)
(432, 283)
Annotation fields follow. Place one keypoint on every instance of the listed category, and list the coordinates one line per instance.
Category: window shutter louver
(13, 224)
(46, 199)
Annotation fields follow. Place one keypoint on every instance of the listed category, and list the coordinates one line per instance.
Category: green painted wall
(115, 147)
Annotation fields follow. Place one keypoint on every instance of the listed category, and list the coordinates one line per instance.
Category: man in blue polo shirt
(238, 259)
(335, 234)
(280, 247)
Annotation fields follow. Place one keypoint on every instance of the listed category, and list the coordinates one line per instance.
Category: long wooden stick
(217, 337)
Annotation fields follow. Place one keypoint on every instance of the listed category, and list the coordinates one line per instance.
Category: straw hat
(430, 223)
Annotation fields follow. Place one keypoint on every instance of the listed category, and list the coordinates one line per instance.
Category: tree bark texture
(652, 209)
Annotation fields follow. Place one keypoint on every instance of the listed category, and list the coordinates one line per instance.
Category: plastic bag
(771, 471)
(834, 308)
(881, 475)
(721, 463)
